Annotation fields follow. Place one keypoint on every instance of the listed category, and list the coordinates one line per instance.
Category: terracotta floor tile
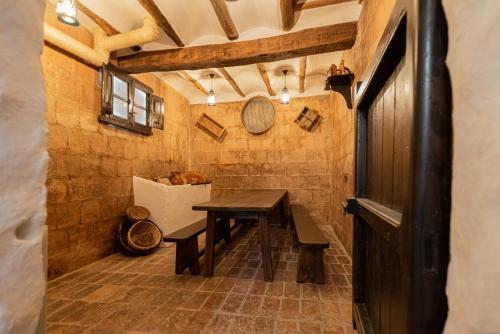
(258, 288)
(219, 324)
(214, 301)
(242, 325)
(292, 290)
(310, 291)
(270, 306)
(264, 325)
(310, 310)
(142, 295)
(290, 308)
(233, 303)
(196, 301)
(309, 328)
(252, 305)
(275, 289)
(286, 327)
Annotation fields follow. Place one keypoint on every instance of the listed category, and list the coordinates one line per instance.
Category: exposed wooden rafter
(231, 81)
(161, 20)
(302, 74)
(309, 4)
(102, 23)
(194, 82)
(225, 20)
(287, 14)
(265, 78)
(331, 38)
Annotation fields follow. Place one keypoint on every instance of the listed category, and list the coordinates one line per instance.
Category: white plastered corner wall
(474, 63)
(23, 163)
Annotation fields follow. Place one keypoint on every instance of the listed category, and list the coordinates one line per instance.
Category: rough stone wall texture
(23, 164)
(371, 25)
(89, 180)
(286, 156)
(472, 289)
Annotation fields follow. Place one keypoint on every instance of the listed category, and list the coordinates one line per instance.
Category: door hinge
(350, 206)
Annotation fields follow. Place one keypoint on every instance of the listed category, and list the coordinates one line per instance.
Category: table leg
(210, 244)
(285, 211)
(266, 247)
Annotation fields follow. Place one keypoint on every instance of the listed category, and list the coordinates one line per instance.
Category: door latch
(350, 206)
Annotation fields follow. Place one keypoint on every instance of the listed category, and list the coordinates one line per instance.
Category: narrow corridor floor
(122, 294)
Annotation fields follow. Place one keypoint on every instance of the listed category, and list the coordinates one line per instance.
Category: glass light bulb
(211, 98)
(66, 12)
(285, 98)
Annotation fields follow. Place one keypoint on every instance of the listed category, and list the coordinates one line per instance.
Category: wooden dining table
(259, 205)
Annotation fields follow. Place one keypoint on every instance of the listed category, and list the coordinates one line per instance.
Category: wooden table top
(249, 200)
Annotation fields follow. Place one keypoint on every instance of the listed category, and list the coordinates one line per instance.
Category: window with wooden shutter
(156, 112)
(126, 102)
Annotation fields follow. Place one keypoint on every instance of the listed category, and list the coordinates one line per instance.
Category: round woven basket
(136, 213)
(144, 236)
(123, 238)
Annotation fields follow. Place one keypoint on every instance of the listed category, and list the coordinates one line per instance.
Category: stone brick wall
(286, 156)
(371, 25)
(89, 181)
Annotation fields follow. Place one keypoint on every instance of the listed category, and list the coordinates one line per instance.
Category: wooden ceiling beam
(265, 78)
(287, 14)
(194, 82)
(310, 4)
(331, 38)
(225, 19)
(102, 23)
(302, 74)
(161, 20)
(231, 81)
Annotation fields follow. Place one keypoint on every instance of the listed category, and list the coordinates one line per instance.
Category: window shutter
(107, 91)
(156, 110)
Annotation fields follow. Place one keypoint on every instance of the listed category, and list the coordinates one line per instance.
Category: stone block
(68, 214)
(90, 211)
(124, 167)
(108, 166)
(56, 191)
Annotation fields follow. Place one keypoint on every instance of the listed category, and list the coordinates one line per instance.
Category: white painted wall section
(474, 61)
(23, 164)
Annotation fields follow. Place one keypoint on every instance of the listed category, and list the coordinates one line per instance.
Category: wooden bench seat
(311, 241)
(186, 243)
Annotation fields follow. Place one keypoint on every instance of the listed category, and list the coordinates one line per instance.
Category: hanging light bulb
(211, 93)
(285, 98)
(66, 12)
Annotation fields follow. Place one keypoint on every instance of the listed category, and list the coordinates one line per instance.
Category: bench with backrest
(311, 242)
(186, 243)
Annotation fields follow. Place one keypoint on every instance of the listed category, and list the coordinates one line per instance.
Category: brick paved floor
(143, 295)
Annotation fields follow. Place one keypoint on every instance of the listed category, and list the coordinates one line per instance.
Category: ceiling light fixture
(285, 98)
(211, 93)
(66, 12)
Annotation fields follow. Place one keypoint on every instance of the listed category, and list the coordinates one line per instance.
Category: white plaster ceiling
(196, 24)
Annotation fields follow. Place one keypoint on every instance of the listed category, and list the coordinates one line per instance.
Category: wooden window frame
(108, 117)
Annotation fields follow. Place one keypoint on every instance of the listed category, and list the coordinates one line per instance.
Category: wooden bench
(186, 243)
(311, 242)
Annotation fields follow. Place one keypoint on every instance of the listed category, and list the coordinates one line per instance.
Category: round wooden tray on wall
(258, 115)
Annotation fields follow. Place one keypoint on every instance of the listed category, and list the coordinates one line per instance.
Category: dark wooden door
(403, 162)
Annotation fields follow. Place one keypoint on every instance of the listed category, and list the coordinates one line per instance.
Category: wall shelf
(341, 83)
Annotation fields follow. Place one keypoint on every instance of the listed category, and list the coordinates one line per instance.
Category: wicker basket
(144, 236)
(136, 213)
(123, 238)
